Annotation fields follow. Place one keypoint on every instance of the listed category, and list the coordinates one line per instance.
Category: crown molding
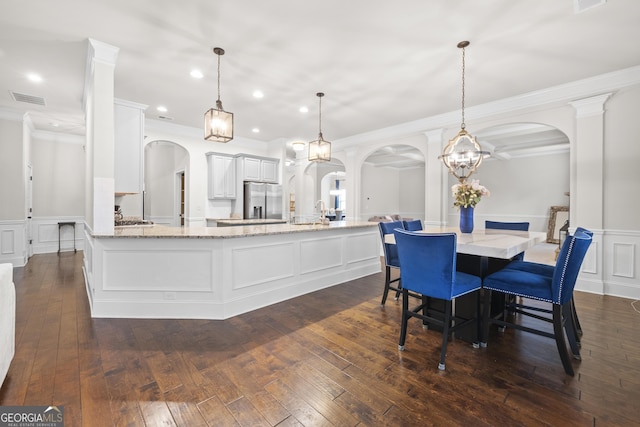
(12, 115)
(153, 125)
(555, 95)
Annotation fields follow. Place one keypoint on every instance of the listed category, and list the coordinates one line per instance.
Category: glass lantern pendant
(319, 149)
(218, 124)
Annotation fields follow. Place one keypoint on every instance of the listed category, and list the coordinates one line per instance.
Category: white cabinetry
(222, 176)
(128, 155)
(260, 169)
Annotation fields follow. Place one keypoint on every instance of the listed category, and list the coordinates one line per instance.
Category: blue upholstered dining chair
(518, 226)
(429, 269)
(536, 281)
(412, 225)
(390, 258)
(546, 269)
(491, 265)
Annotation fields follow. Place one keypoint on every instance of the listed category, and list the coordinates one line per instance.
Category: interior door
(29, 209)
(182, 197)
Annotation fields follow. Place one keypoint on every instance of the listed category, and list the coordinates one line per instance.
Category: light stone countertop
(163, 231)
(239, 221)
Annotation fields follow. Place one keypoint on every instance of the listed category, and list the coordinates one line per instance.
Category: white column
(587, 157)
(99, 110)
(435, 180)
(587, 184)
(353, 176)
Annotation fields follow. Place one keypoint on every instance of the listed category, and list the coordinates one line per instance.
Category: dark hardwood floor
(327, 358)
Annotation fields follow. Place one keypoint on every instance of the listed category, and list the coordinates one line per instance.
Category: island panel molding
(123, 272)
(220, 272)
(259, 264)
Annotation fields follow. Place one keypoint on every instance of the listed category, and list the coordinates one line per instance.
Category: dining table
(491, 243)
(481, 253)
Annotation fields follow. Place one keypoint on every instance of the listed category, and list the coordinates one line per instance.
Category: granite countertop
(163, 231)
(240, 221)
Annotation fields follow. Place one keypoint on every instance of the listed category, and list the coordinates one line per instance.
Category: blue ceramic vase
(466, 219)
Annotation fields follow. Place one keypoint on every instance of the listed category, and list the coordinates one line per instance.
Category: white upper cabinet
(128, 156)
(260, 169)
(222, 176)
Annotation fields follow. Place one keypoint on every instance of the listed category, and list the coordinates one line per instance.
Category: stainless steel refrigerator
(262, 201)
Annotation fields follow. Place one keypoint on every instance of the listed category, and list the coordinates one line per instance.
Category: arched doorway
(393, 183)
(527, 173)
(165, 189)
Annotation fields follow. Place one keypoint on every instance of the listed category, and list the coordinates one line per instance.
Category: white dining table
(503, 244)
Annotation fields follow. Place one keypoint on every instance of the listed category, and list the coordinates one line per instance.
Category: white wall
(412, 192)
(11, 164)
(58, 165)
(57, 191)
(12, 195)
(621, 157)
(522, 189)
(380, 193)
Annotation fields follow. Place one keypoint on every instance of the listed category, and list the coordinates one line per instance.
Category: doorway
(180, 198)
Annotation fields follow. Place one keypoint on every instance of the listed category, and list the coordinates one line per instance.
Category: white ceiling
(379, 63)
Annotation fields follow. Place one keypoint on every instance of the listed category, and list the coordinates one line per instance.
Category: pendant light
(218, 124)
(319, 150)
(462, 155)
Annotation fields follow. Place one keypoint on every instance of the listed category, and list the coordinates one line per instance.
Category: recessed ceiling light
(36, 78)
(196, 74)
(304, 109)
(258, 94)
(255, 130)
(162, 108)
(55, 125)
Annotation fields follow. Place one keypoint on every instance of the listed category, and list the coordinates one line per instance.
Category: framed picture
(557, 217)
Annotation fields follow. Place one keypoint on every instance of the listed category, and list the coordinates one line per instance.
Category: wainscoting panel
(623, 256)
(255, 265)
(621, 263)
(13, 243)
(154, 270)
(359, 247)
(45, 234)
(320, 254)
(8, 240)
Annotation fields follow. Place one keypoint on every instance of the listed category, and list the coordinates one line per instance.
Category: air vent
(165, 118)
(29, 99)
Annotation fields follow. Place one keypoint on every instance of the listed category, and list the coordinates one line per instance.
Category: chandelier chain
(462, 125)
(320, 116)
(218, 77)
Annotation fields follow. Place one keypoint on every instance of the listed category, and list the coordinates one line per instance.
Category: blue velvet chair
(429, 269)
(536, 281)
(546, 269)
(412, 225)
(518, 226)
(390, 259)
(492, 265)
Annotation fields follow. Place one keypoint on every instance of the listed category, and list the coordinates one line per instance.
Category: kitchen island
(220, 272)
(233, 222)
